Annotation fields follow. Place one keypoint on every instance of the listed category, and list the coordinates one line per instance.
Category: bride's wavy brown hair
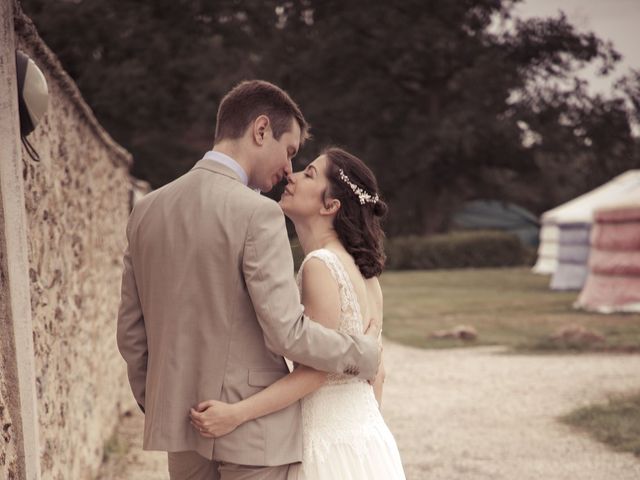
(358, 225)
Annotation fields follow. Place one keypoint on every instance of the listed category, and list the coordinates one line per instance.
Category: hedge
(461, 249)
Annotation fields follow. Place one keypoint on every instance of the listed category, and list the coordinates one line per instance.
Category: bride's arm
(321, 300)
(214, 418)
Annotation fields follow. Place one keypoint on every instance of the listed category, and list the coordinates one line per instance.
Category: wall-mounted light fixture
(33, 97)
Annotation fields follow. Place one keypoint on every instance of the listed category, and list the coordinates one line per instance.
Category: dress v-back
(344, 434)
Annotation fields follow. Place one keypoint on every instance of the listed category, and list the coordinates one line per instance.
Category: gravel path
(477, 414)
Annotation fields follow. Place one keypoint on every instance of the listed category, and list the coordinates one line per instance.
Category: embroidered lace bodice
(350, 314)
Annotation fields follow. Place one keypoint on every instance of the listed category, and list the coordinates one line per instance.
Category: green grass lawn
(511, 307)
(616, 423)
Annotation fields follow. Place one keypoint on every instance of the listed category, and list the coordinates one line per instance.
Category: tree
(153, 72)
(446, 101)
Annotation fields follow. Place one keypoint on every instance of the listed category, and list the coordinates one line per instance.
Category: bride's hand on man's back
(214, 419)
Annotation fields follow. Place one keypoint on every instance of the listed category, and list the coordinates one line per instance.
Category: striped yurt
(547, 249)
(564, 237)
(613, 282)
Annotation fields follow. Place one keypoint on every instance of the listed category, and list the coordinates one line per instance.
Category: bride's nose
(291, 178)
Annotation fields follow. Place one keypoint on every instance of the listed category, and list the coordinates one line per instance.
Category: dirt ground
(474, 414)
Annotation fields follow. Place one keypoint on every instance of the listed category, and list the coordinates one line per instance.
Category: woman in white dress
(336, 210)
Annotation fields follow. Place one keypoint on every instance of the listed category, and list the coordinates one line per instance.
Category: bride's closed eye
(310, 171)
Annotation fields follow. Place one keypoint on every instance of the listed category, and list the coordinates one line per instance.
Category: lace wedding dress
(345, 437)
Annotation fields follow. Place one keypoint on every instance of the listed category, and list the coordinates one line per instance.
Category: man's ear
(331, 207)
(261, 126)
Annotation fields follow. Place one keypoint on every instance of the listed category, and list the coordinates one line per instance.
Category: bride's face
(304, 195)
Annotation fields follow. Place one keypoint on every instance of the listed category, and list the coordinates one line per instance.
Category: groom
(209, 304)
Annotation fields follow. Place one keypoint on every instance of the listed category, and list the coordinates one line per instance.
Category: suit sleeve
(131, 332)
(268, 273)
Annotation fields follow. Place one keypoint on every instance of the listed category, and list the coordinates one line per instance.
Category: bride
(336, 211)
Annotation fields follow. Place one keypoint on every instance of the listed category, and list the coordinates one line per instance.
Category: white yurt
(613, 283)
(564, 237)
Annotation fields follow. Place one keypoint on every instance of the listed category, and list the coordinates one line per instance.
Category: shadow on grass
(616, 423)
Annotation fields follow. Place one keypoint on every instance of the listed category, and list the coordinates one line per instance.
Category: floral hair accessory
(364, 197)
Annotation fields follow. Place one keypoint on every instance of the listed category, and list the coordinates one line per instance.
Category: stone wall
(9, 409)
(77, 203)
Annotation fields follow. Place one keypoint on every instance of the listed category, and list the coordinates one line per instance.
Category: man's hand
(375, 330)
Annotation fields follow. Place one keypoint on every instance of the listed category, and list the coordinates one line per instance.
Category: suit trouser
(193, 466)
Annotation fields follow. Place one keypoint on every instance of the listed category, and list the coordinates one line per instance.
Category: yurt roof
(621, 210)
(581, 208)
(630, 199)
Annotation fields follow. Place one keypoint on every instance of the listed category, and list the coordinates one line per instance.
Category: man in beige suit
(209, 303)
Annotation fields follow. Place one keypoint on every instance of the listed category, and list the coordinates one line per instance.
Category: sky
(614, 20)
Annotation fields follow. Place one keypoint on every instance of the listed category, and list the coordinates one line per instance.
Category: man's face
(275, 161)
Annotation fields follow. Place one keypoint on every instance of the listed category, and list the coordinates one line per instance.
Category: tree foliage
(446, 101)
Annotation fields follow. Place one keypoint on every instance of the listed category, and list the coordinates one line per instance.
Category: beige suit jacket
(209, 306)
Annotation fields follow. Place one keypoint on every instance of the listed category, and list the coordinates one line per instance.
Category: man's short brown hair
(252, 98)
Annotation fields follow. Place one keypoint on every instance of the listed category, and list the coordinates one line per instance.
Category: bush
(468, 249)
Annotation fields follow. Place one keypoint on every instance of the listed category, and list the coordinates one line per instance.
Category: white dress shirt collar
(227, 161)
